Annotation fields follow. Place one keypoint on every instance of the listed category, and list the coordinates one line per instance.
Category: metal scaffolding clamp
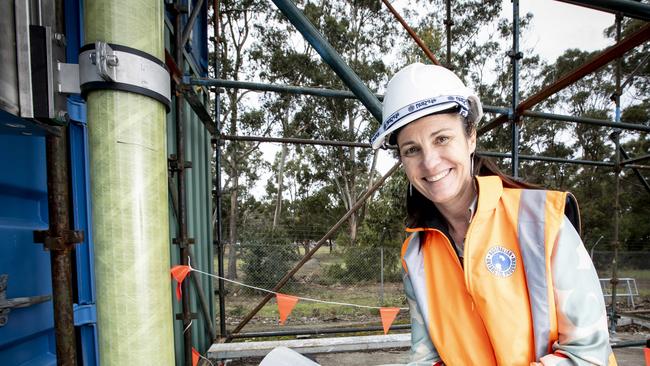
(65, 241)
(106, 61)
(109, 66)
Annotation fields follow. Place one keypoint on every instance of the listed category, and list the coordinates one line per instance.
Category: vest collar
(490, 189)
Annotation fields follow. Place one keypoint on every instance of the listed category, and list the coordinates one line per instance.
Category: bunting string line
(275, 293)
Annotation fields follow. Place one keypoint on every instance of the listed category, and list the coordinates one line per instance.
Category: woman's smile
(437, 177)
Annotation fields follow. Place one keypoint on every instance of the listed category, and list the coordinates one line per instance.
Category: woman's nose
(430, 158)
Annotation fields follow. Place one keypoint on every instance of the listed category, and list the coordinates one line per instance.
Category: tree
(236, 22)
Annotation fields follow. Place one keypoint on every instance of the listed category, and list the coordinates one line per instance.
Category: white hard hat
(419, 90)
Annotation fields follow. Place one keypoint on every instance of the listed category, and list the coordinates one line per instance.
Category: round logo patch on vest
(500, 261)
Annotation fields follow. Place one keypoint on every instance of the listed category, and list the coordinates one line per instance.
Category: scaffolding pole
(178, 166)
(628, 8)
(411, 33)
(302, 141)
(448, 23)
(588, 121)
(617, 176)
(627, 164)
(330, 56)
(217, 188)
(515, 55)
(333, 93)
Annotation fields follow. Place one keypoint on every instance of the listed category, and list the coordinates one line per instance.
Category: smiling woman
(494, 271)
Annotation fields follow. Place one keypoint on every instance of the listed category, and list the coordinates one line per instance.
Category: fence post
(381, 251)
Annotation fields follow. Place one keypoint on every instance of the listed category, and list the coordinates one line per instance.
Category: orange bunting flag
(286, 304)
(195, 357)
(179, 273)
(387, 317)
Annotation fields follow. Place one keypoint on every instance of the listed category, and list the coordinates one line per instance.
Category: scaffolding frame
(358, 90)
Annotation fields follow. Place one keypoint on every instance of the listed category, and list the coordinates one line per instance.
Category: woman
(494, 271)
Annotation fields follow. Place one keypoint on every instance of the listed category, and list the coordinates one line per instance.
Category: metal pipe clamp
(109, 66)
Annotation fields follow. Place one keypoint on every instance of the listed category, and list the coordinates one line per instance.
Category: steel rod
(448, 24)
(411, 33)
(305, 331)
(181, 235)
(588, 121)
(635, 71)
(364, 145)
(515, 55)
(332, 93)
(187, 30)
(628, 8)
(203, 303)
(330, 56)
(321, 92)
(360, 202)
(59, 214)
(217, 148)
(294, 140)
(555, 160)
(638, 174)
(58, 192)
(205, 310)
(634, 160)
(628, 344)
(635, 39)
(617, 177)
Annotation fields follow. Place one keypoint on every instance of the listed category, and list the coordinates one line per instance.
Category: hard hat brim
(381, 137)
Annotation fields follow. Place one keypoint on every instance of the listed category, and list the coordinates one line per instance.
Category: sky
(558, 26)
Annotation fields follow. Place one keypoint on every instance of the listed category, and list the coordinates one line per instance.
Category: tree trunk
(278, 201)
(352, 186)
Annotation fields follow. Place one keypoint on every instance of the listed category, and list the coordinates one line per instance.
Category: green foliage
(267, 257)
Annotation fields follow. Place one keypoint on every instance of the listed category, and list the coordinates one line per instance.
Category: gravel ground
(631, 356)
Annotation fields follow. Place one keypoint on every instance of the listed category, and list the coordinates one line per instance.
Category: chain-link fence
(368, 276)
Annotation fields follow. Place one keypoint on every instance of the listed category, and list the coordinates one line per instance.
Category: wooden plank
(308, 346)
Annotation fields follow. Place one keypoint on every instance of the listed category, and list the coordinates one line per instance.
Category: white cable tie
(188, 326)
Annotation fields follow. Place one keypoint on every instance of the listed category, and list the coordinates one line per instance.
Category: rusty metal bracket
(176, 166)
(65, 241)
(18, 302)
(183, 243)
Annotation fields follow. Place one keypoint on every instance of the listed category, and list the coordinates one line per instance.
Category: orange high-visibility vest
(498, 306)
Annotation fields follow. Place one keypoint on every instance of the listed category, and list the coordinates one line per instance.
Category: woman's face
(436, 153)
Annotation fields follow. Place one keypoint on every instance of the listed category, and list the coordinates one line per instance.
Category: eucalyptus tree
(241, 160)
(360, 31)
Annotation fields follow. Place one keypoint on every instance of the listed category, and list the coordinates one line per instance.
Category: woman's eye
(409, 151)
(442, 139)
